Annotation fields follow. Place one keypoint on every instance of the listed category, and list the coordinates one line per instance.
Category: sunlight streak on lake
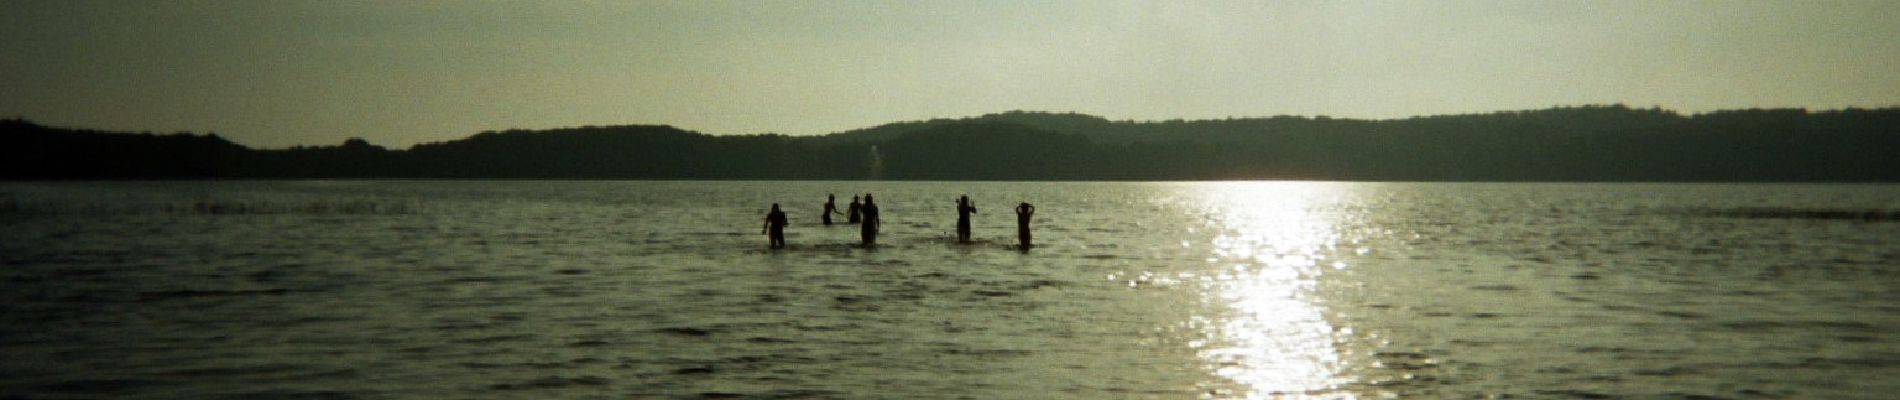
(1272, 337)
(1164, 290)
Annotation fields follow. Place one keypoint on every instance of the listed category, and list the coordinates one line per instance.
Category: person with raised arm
(964, 209)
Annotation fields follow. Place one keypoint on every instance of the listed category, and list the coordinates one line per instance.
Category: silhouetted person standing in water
(831, 207)
(775, 227)
(1022, 223)
(852, 215)
(870, 221)
(964, 209)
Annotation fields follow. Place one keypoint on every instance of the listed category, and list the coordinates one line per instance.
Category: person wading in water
(831, 207)
(870, 221)
(1022, 224)
(775, 227)
(854, 211)
(964, 209)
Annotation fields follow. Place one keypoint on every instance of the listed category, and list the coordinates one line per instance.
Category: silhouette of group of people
(865, 214)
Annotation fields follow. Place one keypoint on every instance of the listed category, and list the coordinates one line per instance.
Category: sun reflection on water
(1267, 334)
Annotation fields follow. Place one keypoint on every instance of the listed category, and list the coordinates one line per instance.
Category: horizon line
(23, 119)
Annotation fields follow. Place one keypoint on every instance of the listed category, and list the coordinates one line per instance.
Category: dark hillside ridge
(1590, 143)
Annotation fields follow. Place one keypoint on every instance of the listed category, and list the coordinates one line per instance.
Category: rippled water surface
(373, 290)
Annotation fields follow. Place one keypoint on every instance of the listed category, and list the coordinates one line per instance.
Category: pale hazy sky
(279, 73)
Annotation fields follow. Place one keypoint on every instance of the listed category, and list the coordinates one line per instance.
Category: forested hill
(1592, 143)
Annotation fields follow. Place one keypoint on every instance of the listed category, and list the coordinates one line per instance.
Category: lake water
(1288, 290)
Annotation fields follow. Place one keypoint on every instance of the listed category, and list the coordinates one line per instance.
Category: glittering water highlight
(1230, 290)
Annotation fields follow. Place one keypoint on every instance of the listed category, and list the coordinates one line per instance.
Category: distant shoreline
(1566, 144)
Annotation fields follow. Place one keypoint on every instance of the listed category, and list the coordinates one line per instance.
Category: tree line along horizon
(1583, 143)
